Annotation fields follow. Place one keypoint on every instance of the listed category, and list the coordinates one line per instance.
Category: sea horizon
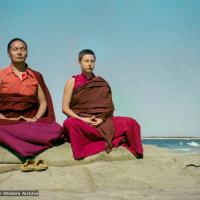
(171, 137)
(179, 144)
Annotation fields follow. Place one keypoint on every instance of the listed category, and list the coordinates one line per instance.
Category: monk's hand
(2, 116)
(15, 118)
(33, 119)
(96, 122)
(88, 120)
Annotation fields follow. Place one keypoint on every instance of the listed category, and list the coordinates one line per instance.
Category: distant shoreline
(170, 137)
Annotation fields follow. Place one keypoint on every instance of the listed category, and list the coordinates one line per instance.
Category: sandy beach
(161, 175)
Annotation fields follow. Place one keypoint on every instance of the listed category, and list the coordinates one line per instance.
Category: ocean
(180, 145)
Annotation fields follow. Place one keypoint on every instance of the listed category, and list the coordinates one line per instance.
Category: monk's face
(87, 63)
(18, 52)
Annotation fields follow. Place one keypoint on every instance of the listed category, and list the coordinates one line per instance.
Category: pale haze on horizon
(148, 51)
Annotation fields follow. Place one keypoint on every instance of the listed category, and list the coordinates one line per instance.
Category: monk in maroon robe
(27, 120)
(91, 127)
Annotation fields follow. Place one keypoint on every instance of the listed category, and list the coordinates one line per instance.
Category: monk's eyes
(22, 49)
(91, 61)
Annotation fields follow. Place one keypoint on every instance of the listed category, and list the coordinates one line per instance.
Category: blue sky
(148, 50)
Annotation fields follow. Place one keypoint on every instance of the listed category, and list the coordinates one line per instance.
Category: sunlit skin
(18, 55)
(87, 64)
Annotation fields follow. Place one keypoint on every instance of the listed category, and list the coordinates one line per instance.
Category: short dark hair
(13, 40)
(84, 52)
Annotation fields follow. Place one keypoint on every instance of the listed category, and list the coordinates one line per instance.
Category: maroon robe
(95, 98)
(28, 138)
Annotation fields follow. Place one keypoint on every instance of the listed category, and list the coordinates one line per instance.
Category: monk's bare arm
(43, 103)
(42, 106)
(67, 95)
(1, 115)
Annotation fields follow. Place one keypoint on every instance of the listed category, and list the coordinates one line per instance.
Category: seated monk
(27, 120)
(91, 127)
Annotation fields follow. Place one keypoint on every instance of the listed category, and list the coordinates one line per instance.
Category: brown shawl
(14, 105)
(95, 98)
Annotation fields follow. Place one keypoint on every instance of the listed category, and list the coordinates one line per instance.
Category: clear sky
(148, 50)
